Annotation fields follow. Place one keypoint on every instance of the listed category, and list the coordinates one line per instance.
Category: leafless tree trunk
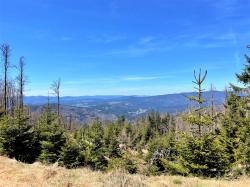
(21, 82)
(56, 89)
(70, 122)
(12, 93)
(5, 48)
(212, 107)
(212, 100)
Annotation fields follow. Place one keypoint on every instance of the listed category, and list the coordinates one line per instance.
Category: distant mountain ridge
(109, 107)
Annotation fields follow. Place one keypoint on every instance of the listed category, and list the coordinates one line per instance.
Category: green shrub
(18, 139)
(70, 156)
(122, 163)
(177, 181)
(51, 137)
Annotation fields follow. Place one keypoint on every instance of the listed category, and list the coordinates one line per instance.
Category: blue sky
(125, 47)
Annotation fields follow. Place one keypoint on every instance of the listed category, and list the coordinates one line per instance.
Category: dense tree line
(203, 141)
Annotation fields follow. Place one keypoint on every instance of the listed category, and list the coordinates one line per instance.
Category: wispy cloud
(137, 49)
(133, 51)
(227, 6)
(213, 38)
(146, 40)
(89, 81)
(66, 38)
(113, 80)
(107, 38)
(139, 78)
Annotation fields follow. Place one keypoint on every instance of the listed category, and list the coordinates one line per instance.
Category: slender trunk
(21, 82)
(5, 48)
(58, 109)
(5, 84)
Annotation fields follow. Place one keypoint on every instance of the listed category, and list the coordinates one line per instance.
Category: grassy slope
(13, 173)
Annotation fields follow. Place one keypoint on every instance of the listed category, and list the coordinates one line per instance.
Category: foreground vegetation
(17, 174)
(205, 141)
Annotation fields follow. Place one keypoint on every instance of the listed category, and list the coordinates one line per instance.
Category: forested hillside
(86, 108)
(204, 140)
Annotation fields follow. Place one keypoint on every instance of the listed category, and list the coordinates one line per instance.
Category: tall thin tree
(212, 108)
(199, 79)
(5, 49)
(56, 89)
(21, 82)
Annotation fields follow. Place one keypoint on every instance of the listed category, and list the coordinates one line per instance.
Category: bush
(93, 147)
(18, 139)
(51, 137)
(126, 164)
(70, 156)
(163, 157)
(205, 155)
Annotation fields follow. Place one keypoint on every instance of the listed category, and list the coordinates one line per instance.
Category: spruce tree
(111, 142)
(242, 152)
(17, 138)
(231, 123)
(51, 137)
(205, 155)
(197, 117)
(93, 147)
(70, 155)
(202, 152)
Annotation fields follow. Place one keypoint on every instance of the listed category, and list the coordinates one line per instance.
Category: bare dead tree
(69, 122)
(21, 82)
(5, 49)
(56, 89)
(11, 92)
(212, 108)
(48, 102)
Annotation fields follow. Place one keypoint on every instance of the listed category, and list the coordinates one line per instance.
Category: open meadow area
(17, 174)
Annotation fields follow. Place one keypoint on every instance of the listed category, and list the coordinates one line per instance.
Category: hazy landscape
(87, 108)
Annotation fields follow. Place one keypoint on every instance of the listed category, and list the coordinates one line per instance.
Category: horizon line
(121, 94)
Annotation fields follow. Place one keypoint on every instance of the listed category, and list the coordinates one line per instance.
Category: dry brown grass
(16, 174)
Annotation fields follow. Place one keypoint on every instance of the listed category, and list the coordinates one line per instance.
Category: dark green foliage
(71, 155)
(231, 123)
(242, 153)
(51, 137)
(244, 77)
(154, 125)
(111, 143)
(163, 156)
(93, 147)
(125, 135)
(124, 163)
(237, 123)
(121, 120)
(18, 139)
(205, 155)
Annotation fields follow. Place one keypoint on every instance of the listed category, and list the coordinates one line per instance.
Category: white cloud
(139, 78)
